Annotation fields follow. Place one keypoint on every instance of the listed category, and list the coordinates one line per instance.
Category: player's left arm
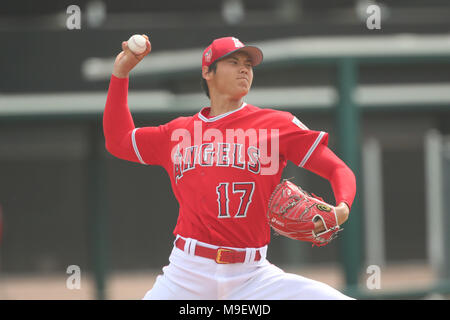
(308, 149)
(325, 163)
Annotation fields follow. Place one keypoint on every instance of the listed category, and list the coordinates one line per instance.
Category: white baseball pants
(189, 277)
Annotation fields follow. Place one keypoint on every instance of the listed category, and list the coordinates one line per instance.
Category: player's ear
(206, 74)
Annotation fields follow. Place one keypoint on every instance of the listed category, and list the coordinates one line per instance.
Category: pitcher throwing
(224, 163)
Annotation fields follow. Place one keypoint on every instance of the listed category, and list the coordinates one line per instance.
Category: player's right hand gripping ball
(292, 213)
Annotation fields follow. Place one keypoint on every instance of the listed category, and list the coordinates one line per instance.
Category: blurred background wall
(50, 123)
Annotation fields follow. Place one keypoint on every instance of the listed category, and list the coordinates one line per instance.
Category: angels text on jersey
(236, 148)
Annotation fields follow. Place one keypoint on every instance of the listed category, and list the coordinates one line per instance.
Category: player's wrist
(342, 212)
(120, 74)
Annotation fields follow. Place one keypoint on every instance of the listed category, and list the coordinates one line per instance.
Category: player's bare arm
(126, 60)
(342, 213)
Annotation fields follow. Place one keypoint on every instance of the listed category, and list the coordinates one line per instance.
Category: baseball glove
(292, 213)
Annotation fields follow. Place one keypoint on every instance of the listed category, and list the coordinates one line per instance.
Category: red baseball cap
(223, 47)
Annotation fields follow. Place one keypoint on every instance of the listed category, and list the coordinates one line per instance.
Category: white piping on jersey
(202, 117)
(299, 124)
(136, 150)
(311, 150)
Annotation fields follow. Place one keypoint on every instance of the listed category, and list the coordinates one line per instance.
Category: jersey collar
(220, 116)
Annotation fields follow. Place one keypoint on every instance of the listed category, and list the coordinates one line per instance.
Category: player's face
(234, 75)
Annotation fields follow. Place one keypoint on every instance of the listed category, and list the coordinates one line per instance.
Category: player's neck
(221, 106)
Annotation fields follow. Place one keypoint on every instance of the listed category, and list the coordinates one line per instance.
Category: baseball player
(224, 162)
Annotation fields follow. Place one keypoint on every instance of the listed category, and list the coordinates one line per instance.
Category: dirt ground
(134, 285)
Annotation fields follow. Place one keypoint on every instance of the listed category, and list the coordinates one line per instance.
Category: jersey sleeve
(326, 164)
(151, 144)
(298, 142)
(147, 145)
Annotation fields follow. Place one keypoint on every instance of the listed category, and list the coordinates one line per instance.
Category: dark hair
(203, 83)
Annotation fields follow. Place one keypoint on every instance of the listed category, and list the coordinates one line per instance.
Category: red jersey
(222, 169)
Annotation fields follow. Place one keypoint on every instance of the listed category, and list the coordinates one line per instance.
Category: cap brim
(254, 53)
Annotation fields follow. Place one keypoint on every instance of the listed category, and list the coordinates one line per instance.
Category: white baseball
(137, 44)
